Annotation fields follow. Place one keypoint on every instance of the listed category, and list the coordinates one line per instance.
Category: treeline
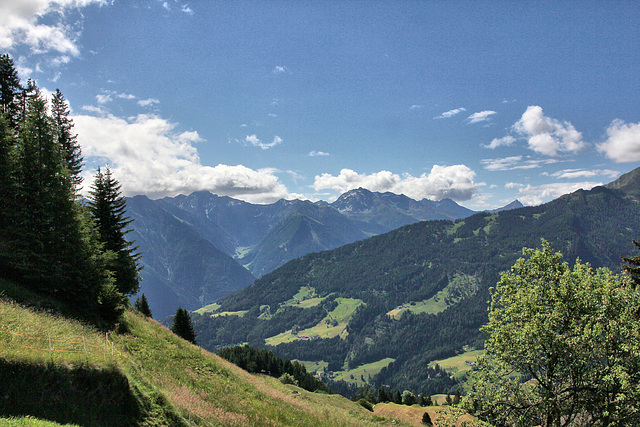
(260, 361)
(51, 242)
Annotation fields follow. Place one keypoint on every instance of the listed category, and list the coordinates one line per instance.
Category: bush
(287, 378)
(366, 404)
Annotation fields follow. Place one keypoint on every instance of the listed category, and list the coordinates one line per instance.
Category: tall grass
(151, 378)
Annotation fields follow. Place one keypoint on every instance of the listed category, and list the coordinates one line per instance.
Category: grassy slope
(440, 415)
(152, 378)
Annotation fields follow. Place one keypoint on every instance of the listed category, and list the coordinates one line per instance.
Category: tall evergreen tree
(182, 325)
(142, 305)
(67, 141)
(10, 91)
(108, 208)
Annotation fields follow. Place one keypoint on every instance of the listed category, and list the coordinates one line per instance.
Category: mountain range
(402, 299)
(199, 248)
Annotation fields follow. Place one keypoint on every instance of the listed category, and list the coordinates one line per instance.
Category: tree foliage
(49, 242)
(182, 325)
(633, 267)
(109, 210)
(142, 305)
(563, 346)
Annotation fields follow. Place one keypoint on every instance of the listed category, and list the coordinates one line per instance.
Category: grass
(457, 365)
(458, 288)
(333, 325)
(211, 308)
(151, 378)
(366, 371)
(440, 415)
(30, 422)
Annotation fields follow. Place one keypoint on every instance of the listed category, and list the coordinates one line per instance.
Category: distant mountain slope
(181, 267)
(418, 293)
(195, 247)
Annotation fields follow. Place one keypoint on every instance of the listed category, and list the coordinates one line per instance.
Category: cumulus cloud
(149, 156)
(315, 153)
(500, 142)
(546, 135)
(623, 142)
(450, 113)
(455, 182)
(481, 116)
(536, 194)
(42, 25)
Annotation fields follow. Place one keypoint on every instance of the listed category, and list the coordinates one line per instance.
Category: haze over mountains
(200, 247)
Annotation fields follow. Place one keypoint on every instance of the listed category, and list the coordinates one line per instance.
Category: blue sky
(483, 102)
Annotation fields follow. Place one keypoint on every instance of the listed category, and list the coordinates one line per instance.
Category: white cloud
(536, 194)
(256, 142)
(623, 142)
(317, 153)
(501, 142)
(583, 173)
(513, 163)
(415, 107)
(455, 182)
(104, 98)
(481, 116)
(148, 102)
(149, 157)
(186, 9)
(546, 135)
(280, 69)
(22, 23)
(450, 113)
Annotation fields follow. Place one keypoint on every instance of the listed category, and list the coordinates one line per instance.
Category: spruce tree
(108, 208)
(142, 305)
(182, 325)
(67, 141)
(10, 90)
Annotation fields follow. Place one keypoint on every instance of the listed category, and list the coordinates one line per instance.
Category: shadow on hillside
(80, 395)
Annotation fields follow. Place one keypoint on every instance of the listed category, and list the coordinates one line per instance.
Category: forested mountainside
(199, 248)
(418, 293)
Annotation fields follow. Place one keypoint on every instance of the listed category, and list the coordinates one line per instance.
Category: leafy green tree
(397, 397)
(409, 398)
(142, 305)
(634, 266)
(182, 325)
(108, 208)
(563, 347)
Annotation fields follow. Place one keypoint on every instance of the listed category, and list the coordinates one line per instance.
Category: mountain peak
(629, 183)
(516, 204)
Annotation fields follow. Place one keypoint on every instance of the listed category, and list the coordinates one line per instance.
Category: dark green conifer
(182, 325)
(67, 141)
(142, 305)
(108, 208)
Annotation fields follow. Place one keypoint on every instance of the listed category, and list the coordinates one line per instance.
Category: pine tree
(67, 141)
(10, 90)
(108, 208)
(142, 305)
(182, 325)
